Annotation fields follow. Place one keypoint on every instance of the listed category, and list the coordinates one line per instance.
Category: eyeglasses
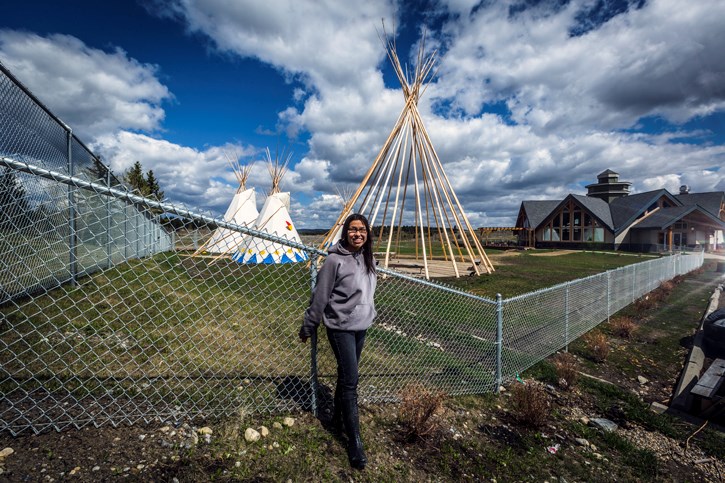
(362, 231)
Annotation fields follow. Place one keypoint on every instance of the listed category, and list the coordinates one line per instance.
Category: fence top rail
(183, 212)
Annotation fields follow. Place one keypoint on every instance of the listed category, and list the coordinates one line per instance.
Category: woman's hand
(305, 333)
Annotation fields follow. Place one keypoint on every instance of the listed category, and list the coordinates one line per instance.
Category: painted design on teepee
(242, 211)
(406, 185)
(274, 218)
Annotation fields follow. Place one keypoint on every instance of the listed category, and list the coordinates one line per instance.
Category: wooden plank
(711, 381)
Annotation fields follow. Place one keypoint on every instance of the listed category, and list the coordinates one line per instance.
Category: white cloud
(195, 178)
(92, 91)
(326, 42)
(663, 59)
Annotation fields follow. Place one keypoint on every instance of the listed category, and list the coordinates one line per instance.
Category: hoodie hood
(340, 249)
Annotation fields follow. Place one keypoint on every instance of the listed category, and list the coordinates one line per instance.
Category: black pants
(347, 346)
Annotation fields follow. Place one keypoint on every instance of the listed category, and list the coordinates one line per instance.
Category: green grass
(528, 271)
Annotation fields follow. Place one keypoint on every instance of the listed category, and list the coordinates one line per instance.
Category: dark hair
(367, 248)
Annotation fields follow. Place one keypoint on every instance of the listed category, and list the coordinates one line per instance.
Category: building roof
(627, 208)
(709, 201)
(606, 173)
(537, 210)
(598, 207)
(664, 217)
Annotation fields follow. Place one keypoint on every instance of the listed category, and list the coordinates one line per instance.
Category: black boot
(350, 417)
(336, 425)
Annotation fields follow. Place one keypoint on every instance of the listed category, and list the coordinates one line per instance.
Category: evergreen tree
(135, 179)
(153, 186)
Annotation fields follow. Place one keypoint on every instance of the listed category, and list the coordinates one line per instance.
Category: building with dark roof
(609, 217)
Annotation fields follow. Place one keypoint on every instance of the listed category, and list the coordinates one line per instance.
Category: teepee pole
(419, 212)
(441, 174)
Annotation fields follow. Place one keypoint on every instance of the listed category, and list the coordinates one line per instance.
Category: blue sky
(532, 99)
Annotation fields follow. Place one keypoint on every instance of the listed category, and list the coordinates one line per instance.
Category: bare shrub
(623, 326)
(420, 411)
(667, 286)
(645, 302)
(566, 369)
(530, 404)
(597, 345)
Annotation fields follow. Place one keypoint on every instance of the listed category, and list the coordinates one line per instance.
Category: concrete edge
(695, 359)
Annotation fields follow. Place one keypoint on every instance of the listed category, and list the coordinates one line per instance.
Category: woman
(343, 301)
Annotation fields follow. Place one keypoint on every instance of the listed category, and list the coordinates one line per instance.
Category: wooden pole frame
(409, 149)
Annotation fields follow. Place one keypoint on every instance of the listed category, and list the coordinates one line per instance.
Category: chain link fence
(52, 233)
(141, 331)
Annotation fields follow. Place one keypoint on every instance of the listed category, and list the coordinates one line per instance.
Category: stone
(605, 424)
(74, 470)
(276, 425)
(288, 421)
(582, 442)
(264, 431)
(6, 452)
(642, 380)
(251, 435)
(204, 430)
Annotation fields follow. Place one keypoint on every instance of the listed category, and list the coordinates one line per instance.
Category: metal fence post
(499, 340)
(609, 289)
(313, 343)
(109, 241)
(566, 318)
(73, 262)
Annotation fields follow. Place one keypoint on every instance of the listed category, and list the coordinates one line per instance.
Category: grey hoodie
(343, 296)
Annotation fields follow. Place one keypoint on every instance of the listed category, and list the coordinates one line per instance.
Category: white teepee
(275, 220)
(242, 211)
(406, 185)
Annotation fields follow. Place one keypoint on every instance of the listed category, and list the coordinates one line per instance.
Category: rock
(251, 435)
(642, 380)
(96, 468)
(582, 442)
(141, 437)
(288, 421)
(6, 452)
(584, 420)
(264, 431)
(276, 425)
(165, 429)
(605, 424)
(192, 440)
(74, 470)
(204, 430)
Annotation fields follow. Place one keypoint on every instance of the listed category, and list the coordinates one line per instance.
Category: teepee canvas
(274, 218)
(242, 211)
(407, 187)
